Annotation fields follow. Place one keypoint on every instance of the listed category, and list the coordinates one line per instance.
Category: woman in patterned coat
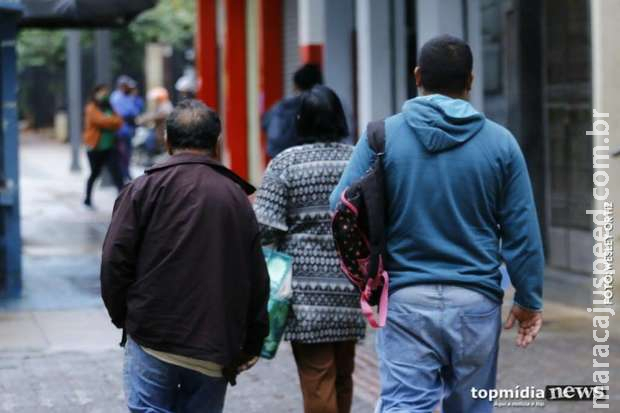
(292, 207)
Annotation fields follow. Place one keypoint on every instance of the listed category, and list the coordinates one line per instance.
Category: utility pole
(103, 57)
(74, 95)
(103, 75)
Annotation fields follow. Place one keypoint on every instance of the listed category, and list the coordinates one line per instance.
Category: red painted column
(235, 87)
(311, 31)
(311, 53)
(270, 57)
(206, 52)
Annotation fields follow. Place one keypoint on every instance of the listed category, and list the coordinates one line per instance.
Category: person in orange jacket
(100, 125)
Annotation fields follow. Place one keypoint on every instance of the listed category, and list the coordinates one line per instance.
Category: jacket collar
(189, 158)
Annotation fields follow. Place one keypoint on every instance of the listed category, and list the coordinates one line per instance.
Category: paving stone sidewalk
(58, 351)
(67, 361)
(91, 382)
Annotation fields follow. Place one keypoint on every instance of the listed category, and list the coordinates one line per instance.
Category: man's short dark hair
(307, 76)
(445, 63)
(321, 117)
(193, 125)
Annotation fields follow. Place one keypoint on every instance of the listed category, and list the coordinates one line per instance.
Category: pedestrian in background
(183, 273)
(186, 85)
(459, 202)
(99, 136)
(155, 119)
(279, 122)
(292, 207)
(128, 105)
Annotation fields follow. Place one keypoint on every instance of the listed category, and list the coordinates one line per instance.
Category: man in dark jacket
(184, 275)
(279, 122)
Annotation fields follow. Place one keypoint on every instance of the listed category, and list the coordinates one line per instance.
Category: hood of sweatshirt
(441, 122)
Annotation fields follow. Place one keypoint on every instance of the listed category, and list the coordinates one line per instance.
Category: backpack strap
(375, 132)
(381, 281)
(374, 197)
(376, 140)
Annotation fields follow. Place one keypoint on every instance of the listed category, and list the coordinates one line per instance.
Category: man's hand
(530, 323)
(248, 364)
(242, 362)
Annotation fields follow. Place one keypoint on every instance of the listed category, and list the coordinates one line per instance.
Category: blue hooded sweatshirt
(459, 201)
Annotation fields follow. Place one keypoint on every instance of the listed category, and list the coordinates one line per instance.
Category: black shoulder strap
(375, 131)
(373, 188)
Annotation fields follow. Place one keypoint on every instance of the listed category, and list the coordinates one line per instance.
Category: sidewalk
(59, 353)
(58, 350)
(69, 361)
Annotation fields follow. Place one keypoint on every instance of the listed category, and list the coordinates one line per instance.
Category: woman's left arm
(103, 121)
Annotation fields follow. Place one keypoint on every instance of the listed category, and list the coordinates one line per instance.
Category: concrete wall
(373, 61)
(290, 44)
(338, 63)
(435, 18)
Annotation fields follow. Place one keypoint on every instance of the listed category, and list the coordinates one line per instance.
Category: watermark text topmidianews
(532, 396)
(603, 271)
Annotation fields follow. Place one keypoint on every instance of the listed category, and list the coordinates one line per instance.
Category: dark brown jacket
(182, 268)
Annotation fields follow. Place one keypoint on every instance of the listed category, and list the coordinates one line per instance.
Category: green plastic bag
(280, 267)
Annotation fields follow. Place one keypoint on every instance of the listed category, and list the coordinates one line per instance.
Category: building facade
(540, 66)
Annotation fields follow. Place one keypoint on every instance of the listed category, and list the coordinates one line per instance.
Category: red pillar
(311, 53)
(270, 56)
(235, 88)
(311, 30)
(206, 56)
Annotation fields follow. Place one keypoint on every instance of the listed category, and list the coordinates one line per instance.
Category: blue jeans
(439, 342)
(153, 386)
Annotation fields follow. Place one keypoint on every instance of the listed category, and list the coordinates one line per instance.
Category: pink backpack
(358, 226)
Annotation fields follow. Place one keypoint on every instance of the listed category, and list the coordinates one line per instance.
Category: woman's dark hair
(307, 77)
(445, 63)
(93, 96)
(193, 125)
(96, 90)
(321, 117)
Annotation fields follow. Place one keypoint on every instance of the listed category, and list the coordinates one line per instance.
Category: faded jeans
(153, 386)
(439, 342)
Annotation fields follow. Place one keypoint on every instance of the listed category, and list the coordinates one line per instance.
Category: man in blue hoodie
(459, 203)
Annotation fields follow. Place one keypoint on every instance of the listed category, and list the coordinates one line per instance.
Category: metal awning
(14, 6)
(80, 13)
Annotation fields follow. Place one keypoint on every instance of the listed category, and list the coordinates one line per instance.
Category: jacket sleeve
(103, 121)
(520, 233)
(360, 161)
(266, 119)
(258, 316)
(271, 205)
(118, 261)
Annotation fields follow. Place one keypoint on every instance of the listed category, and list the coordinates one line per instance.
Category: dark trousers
(326, 375)
(97, 160)
(125, 150)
